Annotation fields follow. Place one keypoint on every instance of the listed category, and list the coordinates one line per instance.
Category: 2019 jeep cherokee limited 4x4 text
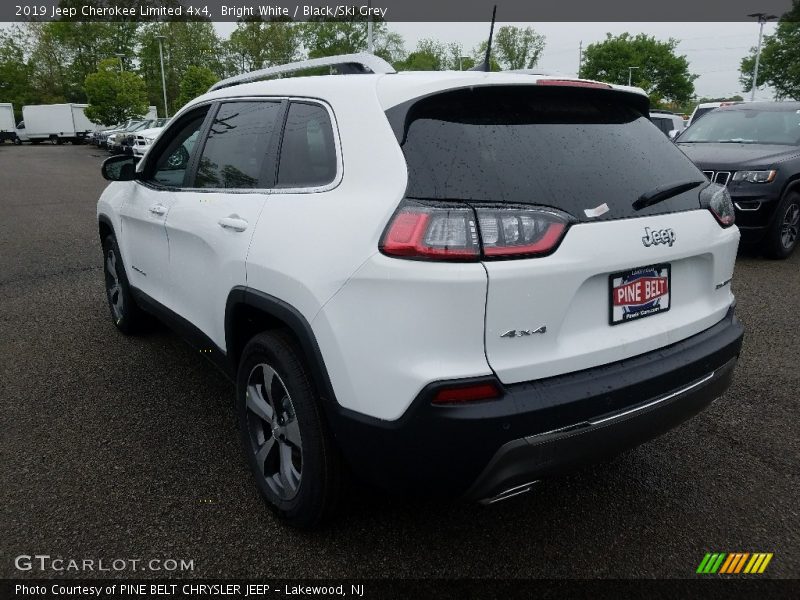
(447, 283)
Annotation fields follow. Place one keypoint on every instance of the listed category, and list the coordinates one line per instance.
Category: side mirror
(673, 133)
(120, 168)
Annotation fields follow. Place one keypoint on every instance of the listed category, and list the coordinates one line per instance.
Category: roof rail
(362, 62)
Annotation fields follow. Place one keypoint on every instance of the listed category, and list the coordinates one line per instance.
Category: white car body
(389, 328)
(144, 139)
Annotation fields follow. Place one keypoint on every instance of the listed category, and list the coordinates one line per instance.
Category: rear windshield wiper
(663, 192)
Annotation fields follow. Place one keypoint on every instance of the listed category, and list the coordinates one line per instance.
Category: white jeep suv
(444, 283)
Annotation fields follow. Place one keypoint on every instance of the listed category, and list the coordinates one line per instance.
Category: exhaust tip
(509, 493)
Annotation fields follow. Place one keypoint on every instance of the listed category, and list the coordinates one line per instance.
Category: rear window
(570, 149)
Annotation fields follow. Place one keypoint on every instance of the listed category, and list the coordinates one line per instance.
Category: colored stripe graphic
(764, 564)
(734, 563)
(702, 567)
(727, 564)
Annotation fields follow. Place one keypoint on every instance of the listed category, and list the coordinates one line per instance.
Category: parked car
(7, 129)
(101, 138)
(513, 274)
(56, 123)
(121, 142)
(668, 122)
(754, 149)
(706, 107)
(143, 139)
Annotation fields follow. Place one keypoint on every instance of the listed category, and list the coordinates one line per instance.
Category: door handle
(234, 223)
(158, 209)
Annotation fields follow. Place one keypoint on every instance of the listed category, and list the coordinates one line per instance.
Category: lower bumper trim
(546, 453)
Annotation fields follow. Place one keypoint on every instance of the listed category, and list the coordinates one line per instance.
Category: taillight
(513, 231)
(475, 392)
(452, 231)
(717, 199)
(435, 231)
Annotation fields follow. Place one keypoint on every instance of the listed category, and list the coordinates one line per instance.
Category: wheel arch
(249, 312)
(793, 185)
(105, 227)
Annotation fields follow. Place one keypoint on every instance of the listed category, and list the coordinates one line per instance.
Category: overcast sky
(714, 50)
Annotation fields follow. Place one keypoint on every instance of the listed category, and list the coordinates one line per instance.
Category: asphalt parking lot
(126, 447)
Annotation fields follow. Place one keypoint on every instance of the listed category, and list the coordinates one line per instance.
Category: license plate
(638, 293)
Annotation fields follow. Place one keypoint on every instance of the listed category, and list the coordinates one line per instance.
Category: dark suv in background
(754, 149)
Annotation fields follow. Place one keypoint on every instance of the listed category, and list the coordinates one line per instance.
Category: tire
(17, 141)
(783, 234)
(296, 466)
(125, 314)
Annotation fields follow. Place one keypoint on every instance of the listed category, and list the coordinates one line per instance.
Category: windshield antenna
(487, 65)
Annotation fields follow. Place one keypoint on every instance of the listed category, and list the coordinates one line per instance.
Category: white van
(57, 123)
(7, 129)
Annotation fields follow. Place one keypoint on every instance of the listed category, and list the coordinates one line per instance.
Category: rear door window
(308, 151)
(235, 151)
(571, 149)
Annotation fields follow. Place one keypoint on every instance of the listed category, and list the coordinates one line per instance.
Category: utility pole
(120, 56)
(762, 18)
(580, 57)
(161, 38)
(630, 75)
(369, 27)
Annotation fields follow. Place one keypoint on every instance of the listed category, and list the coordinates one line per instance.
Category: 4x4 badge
(523, 332)
(656, 237)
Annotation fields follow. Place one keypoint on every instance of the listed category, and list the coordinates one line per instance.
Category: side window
(308, 152)
(169, 164)
(235, 151)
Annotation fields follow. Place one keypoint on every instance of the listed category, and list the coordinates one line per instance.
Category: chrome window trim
(337, 180)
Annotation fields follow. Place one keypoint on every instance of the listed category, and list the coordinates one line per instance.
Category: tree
(659, 70)
(518, 48)
(185, 44)
(257, 44)
(196, 82)
(14, 71)
(429, 55)
(342, 36)
(114, 95)
(779, 66)
(64, 52)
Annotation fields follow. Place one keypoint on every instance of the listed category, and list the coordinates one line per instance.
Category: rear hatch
(627, 277)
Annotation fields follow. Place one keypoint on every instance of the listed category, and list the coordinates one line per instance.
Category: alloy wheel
(274, 432)
(113, 287)
(790, 226)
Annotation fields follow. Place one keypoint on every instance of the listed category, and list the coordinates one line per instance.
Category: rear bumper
(542, 427)
(542, 454)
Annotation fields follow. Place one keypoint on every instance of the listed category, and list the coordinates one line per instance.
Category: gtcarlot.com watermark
(44, 563)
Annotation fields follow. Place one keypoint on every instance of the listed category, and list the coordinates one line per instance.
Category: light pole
(762, 18)
(630, 75)
(160, 39)
(370, 46)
